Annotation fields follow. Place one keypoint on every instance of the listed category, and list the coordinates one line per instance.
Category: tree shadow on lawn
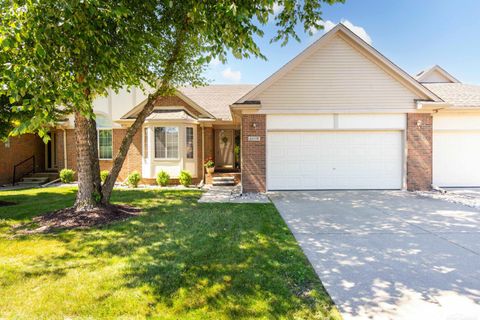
(208, 260)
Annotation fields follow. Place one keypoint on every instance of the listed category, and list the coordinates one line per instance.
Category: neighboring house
(338, 116)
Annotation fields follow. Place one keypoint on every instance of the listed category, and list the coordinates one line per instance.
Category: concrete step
(49, 174)
(37, 180)
(226, 178)
(28, 184)
(223, 183)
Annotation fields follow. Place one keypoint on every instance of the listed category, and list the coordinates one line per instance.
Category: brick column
(253, 153)
(419, 148)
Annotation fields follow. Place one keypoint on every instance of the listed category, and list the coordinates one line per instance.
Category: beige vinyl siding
(339, 77)
(436, 77)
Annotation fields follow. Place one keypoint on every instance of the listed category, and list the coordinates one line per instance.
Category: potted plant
(209, 165)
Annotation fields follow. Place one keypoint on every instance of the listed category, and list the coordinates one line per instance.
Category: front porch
(222, 145)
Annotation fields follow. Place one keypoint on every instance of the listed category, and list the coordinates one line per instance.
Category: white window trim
(193, 143)
(178, 144)
(98, 142)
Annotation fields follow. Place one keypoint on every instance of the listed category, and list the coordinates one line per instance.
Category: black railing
(31, 170)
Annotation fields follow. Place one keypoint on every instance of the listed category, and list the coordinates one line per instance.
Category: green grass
(179, 260)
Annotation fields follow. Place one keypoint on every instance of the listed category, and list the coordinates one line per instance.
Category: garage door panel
(456, 158)
(334, 160)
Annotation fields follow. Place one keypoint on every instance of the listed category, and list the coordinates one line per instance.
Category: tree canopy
(57, 56)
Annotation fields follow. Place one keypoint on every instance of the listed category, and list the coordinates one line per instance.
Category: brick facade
(133, 161)
(71, 152)
(419, 151)
(253, 153)
(18, 149)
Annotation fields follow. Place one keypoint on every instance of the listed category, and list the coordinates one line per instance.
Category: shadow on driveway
(389, 254)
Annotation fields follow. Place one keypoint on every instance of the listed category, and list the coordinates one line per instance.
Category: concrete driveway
(389, 254)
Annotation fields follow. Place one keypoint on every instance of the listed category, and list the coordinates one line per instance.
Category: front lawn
(179, 260)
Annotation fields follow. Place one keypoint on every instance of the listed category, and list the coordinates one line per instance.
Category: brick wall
(71, 152)
(19, 149)
(133, 161)
(419, 151)
(253, 153)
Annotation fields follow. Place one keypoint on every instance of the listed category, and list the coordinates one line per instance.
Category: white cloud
(232, 75)
(215, 62)
(359, 31)
(277, 8)
(327, 26)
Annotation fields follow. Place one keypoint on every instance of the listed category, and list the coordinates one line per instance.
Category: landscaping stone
(467, 197)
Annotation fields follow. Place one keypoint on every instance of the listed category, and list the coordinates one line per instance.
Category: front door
(224, 142)
(51, 153)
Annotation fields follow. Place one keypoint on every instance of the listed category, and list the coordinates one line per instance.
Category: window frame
(186, 143)
(98, 142)
(166, 148)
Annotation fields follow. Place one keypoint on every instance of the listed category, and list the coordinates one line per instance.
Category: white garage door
(456, 158)
(334, 160)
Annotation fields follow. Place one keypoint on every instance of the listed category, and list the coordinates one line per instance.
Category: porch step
(33, 180)
(38, 178)
(223, 181)
(49, 174)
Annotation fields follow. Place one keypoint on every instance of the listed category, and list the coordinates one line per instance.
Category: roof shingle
(217, 98)
(458, 94)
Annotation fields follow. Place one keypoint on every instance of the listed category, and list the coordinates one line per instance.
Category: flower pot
(210, 170)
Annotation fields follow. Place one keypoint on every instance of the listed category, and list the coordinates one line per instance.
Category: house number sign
(253, 138)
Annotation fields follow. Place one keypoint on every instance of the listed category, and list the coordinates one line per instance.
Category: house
(340, 115)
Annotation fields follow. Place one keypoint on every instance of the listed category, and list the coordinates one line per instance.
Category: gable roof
(217, 98)
(132, 114)
(368, 50)
(174, 114)
(459, 95)
(423, 75)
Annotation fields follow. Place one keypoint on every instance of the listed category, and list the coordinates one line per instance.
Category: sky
(414, 34)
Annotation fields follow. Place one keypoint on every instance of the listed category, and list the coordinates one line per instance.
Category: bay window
(189, 142)
(166, 142)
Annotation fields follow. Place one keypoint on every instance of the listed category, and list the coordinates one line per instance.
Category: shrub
(133, 179)
(185, 178)
(209, 163)
(66, 175)
(104, 175)
(163, 178)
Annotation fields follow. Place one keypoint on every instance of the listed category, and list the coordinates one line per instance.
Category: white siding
(336, 122)
(372, 121)
(301, 122)
(338, 77)
(465, 121)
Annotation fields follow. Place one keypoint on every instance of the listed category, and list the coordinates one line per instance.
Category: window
(189, 142)
(145, 143)
(166, 142)
(105, 147)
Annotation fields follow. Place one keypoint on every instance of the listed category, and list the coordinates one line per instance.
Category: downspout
(65, 148)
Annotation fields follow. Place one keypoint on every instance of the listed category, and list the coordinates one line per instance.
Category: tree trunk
(163, 89)
(107, 187)
(88, 167)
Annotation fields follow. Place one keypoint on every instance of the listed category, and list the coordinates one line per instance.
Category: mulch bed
(7, 203)
(68, 218)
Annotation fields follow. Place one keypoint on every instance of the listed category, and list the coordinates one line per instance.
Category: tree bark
(88, 167)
